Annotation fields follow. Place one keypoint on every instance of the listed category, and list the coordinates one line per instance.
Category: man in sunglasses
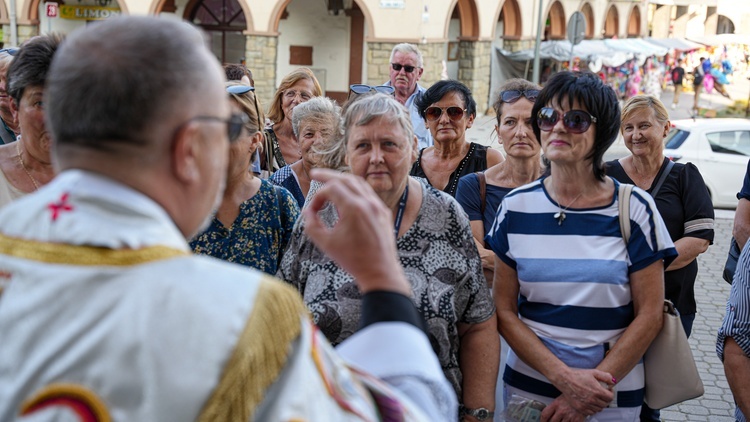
(406, 70)
(105, 313)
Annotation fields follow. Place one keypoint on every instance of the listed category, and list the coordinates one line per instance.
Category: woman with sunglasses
(681, 197)
(280, 148)
(254, 221)
(434, 246)
(480, 193)
(315, 123)
(449, 109)
(577, 304)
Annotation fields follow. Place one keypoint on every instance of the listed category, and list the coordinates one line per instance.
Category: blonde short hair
(639, 102)
(275, 112)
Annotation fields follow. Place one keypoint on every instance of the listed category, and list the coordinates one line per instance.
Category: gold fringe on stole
(260, 354)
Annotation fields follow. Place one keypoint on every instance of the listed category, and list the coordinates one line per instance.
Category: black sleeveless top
(475, 160)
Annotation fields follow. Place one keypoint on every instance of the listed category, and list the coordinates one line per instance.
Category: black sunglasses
(513, 95)
(244, 89)
(575, 121)
(397, 67)
(364, 89)
(433, 113)
(10, 51)
(234, 124)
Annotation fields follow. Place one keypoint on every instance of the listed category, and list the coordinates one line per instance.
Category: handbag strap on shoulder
(623, 208)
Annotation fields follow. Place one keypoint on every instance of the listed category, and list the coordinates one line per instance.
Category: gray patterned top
(440, 260)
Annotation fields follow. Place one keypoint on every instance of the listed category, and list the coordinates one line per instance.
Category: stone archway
(724, 25)
(509, 28)
(588, 14)
(634, 23)
(555, 26)
(612, 22)
(225, 22)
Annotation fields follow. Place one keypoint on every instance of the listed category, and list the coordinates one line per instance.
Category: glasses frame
(512, 95)
(360, 89)
(444, 110)
(234, 124)
(570, 126)
(407, 68)
(10, 51)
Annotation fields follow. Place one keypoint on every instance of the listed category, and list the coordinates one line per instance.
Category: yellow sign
(89, 13)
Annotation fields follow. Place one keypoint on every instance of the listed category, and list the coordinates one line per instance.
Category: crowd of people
(402, 252)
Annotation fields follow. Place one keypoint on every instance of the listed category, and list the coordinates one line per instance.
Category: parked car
(720, 148)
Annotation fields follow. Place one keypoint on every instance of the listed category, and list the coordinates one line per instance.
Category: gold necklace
(560, 214)
(20, 159)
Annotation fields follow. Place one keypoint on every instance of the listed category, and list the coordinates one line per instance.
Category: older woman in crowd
(680, 195)
(280, 147)
(9, 128)
(577, 304)
(479, 193)
(255, 218)
(448, 110)
(315, 123)
(434, 245)
(25, 165)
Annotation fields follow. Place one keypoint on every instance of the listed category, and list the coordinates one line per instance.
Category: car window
(675, 138)
(729, 142)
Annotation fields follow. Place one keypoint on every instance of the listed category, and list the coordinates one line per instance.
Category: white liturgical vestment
(106, 315)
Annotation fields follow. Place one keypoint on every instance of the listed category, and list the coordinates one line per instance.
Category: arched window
(223, 21)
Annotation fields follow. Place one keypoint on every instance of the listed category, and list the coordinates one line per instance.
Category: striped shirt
(574, 285)
(736, 322)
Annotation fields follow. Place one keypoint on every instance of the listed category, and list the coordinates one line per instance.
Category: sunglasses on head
(575, 121)
(10, 51)
(433, 113)
(513, 95)
(244, 89)
(397, 67)
(364, 89)
(240, 89)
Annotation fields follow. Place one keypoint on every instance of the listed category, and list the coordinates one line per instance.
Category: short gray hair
(367, 108)
(407, 48)
(323, 110)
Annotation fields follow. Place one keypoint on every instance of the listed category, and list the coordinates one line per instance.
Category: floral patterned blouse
(440, 260)
(259, 235)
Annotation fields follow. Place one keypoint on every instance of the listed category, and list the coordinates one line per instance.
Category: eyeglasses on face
(364, 89)
(513, 95)
(397, 67)
(433, 113)
(234, 124)
(292, 94)
(575, 121)
(10, 51)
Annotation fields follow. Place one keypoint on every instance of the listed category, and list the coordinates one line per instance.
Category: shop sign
(89, 13)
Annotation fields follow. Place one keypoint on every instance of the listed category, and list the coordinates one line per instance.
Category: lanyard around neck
(400, 212)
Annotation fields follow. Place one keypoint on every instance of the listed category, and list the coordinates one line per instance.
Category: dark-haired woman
(577, 304)
(448, 110)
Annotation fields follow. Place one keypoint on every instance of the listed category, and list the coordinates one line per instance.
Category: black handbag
(731, 265)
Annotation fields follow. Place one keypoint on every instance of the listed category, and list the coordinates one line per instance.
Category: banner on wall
(89, 13)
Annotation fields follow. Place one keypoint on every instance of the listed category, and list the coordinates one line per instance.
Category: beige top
(8, 192)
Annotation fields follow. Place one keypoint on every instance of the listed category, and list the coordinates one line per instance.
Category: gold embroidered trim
(260, 354)
(60, 253)
(75, 392)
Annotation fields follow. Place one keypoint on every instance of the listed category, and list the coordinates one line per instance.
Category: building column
(474, 70)
(379, 56)
(260, 58)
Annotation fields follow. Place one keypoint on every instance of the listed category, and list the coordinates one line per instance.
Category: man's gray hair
(113, 83)
(370, 107)
(407, 48)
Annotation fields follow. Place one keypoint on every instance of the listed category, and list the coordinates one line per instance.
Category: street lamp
(335, 6)
(535, 74)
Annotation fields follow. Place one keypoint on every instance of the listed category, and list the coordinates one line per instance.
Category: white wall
(309, 24)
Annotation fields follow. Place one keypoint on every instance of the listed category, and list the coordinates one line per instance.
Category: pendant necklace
(560, 214)
(23, 165)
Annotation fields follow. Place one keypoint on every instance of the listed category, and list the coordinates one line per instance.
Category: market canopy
(610, 52)
(675, 43)
(723, 39)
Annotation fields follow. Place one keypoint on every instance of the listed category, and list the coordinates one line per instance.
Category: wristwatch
(480, 414)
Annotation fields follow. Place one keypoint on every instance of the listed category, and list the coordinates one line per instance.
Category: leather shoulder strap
(482, 190)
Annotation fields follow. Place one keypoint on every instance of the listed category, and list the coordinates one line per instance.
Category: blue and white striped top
(574, 286)
(736, 322)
